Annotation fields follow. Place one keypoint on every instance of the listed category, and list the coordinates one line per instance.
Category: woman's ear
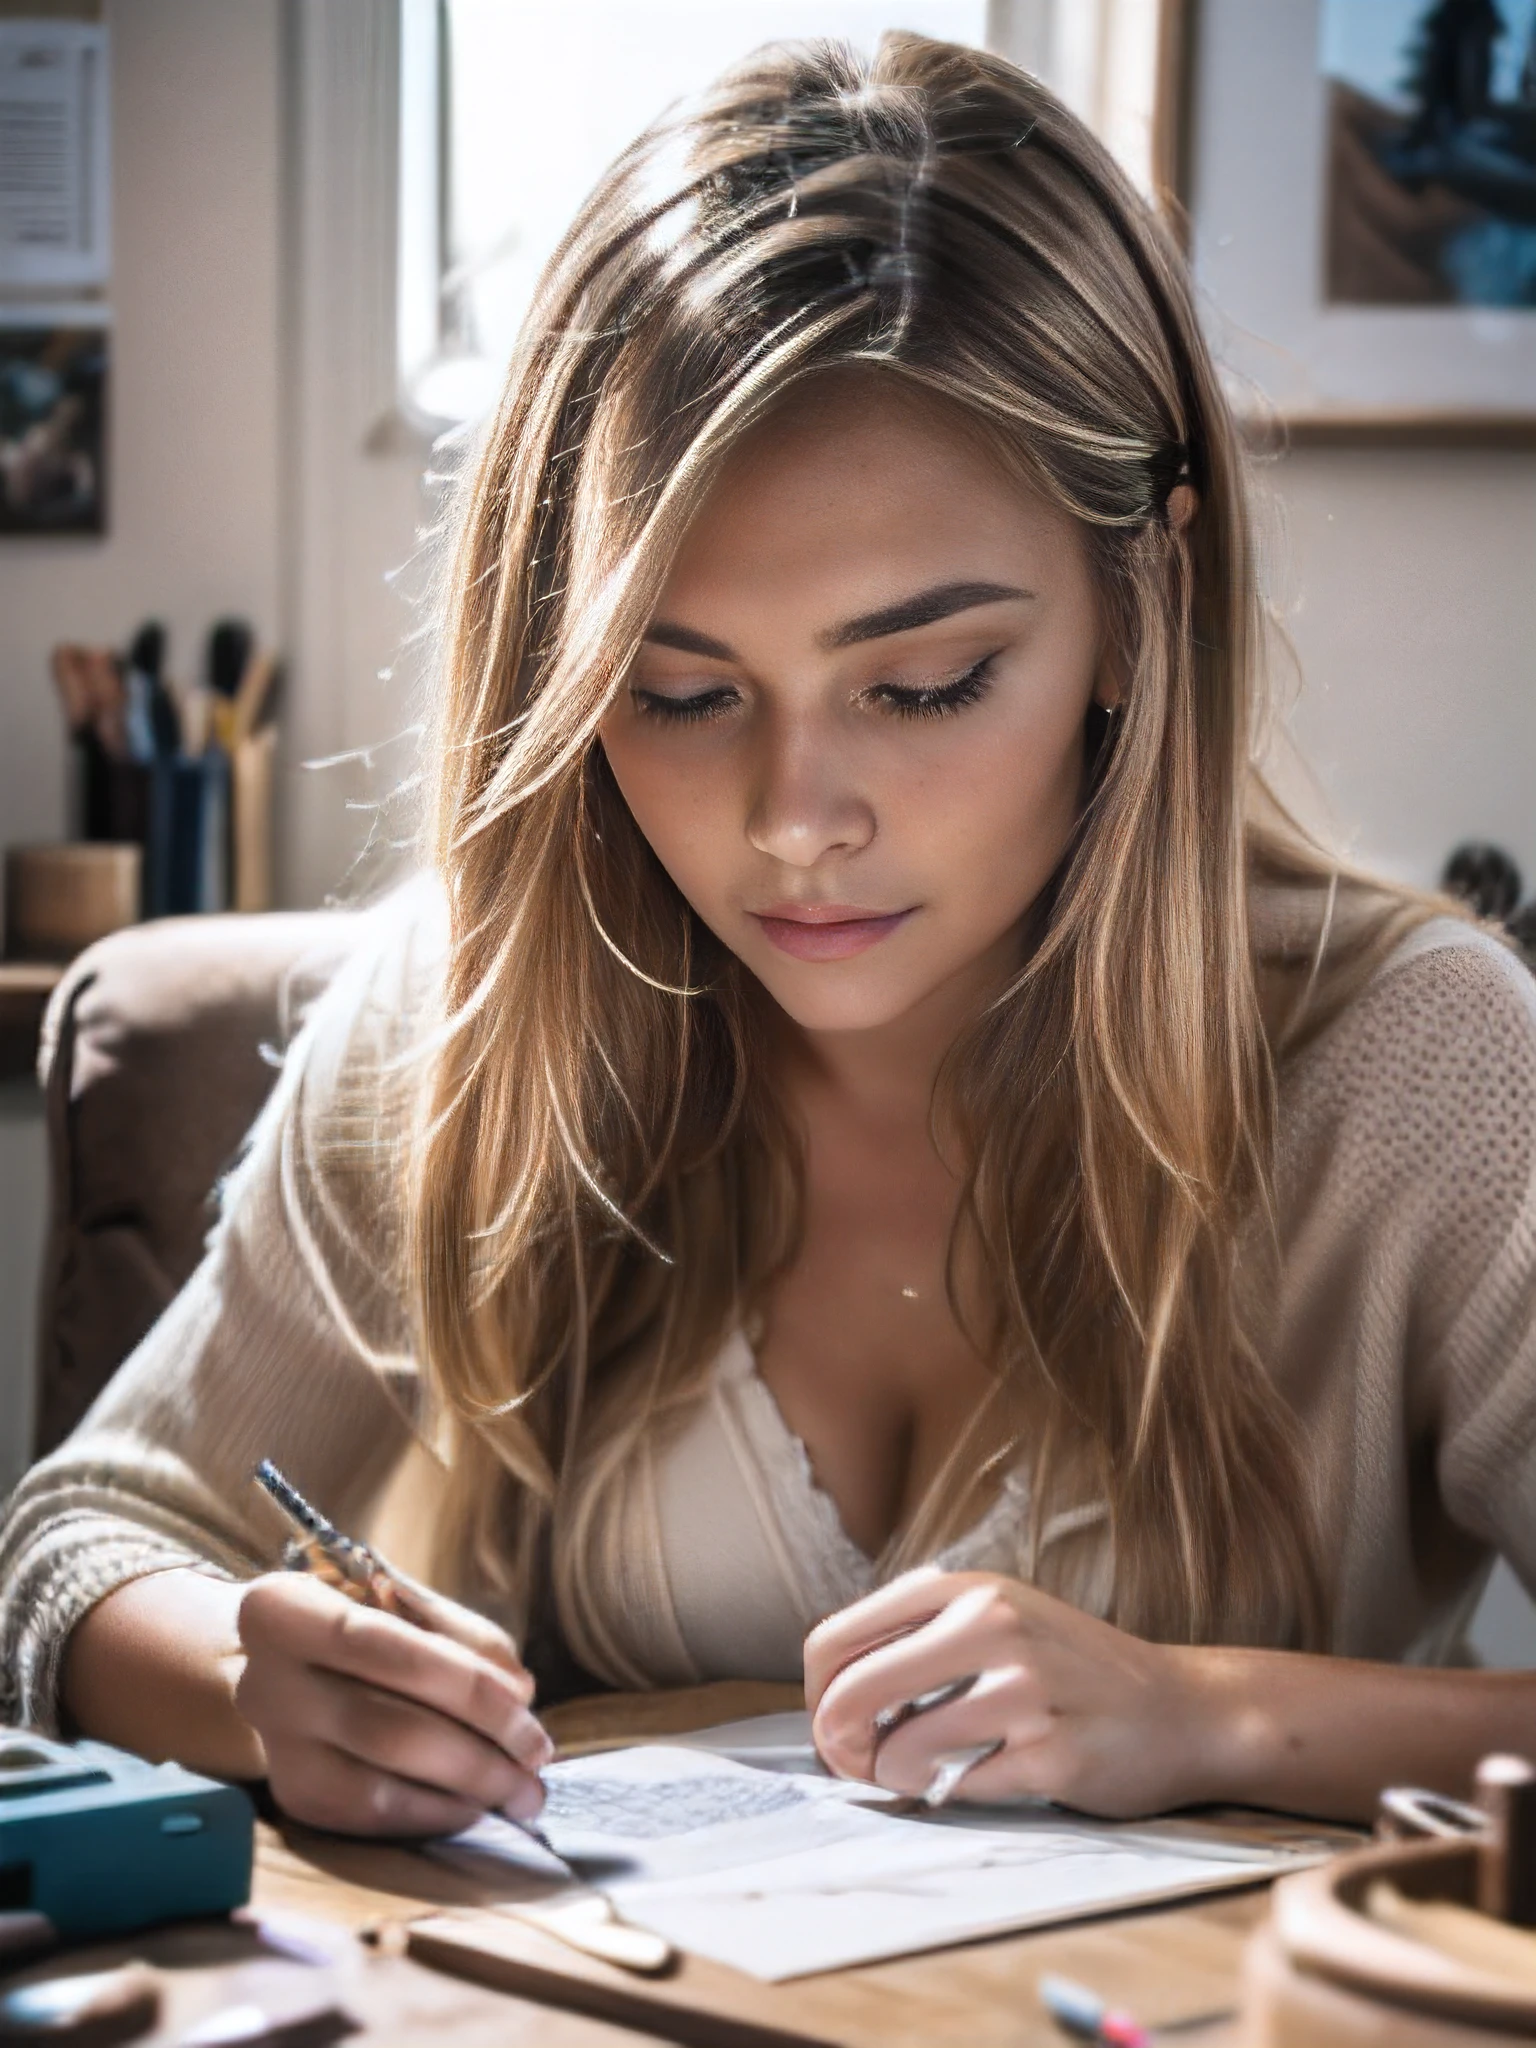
(1182, 506)
(1109, 689)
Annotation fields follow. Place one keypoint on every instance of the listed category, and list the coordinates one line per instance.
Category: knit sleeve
(1478, 1267)
(288, 1342)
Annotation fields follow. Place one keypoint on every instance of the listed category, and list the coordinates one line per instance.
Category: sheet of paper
(55, 154)
(781, 1873)
(773, 1742)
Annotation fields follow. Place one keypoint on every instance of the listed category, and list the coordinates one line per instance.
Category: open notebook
(736, 1845)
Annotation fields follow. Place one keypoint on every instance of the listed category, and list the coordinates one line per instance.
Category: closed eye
(685, 710)
(934, 700)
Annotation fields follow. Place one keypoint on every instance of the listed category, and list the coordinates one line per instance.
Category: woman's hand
(1086, 1714)
(374, 1727)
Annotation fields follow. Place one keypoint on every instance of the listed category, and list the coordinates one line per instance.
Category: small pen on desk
(1079, 2011)
(362, 1575)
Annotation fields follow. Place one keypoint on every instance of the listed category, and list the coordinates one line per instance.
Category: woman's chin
(837, 997)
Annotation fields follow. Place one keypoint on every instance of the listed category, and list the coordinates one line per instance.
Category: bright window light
(536, 98)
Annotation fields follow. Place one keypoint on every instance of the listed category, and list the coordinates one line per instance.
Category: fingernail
(525, 1802)
(530, 1746)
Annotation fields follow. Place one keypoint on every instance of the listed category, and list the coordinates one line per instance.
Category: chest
(860, 1347)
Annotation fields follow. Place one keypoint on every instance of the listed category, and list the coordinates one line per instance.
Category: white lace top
(738, 1506)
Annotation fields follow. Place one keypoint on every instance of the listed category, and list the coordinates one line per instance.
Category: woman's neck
(884, 1076)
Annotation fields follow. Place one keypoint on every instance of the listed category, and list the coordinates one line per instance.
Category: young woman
(877, 1152)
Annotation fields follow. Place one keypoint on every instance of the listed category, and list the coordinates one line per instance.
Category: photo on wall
(1359, 184)
(1431, 152)
(53, 394)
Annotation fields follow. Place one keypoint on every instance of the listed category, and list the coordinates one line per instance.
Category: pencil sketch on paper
(649, 1810)
(783, 1873)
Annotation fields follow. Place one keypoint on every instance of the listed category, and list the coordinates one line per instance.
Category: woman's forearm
(1323, 1735)
(153, 1667)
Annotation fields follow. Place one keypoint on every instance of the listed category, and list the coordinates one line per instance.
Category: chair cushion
(160, 1045)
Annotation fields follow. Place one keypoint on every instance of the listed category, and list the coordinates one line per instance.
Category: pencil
(362, 1575)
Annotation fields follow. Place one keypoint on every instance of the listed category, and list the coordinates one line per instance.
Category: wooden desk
(1166, 1964)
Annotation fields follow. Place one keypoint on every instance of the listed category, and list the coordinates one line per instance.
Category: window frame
(1020, 29)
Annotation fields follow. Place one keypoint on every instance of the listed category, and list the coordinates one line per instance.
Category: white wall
(245, 466)
(195, 451)
(1410, 596)
(1411, 583)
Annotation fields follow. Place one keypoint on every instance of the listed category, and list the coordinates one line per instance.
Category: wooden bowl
(1322, 1974)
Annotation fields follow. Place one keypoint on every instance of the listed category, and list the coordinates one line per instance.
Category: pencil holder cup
(176, 809)
(59, 899)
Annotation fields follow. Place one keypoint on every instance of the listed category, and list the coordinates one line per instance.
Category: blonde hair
(601, 1181)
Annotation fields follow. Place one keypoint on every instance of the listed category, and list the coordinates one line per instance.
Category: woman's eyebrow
(928, 606)
(661, 633)
(924, 609)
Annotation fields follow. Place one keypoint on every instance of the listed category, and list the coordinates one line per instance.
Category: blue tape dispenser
(100, 1842)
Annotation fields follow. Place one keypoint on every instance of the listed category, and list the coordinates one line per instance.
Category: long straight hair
(601, 1181)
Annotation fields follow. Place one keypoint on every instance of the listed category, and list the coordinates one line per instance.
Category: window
(510, 111)
(1101, 57)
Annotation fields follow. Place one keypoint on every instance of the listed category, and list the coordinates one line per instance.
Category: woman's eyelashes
(935, 700)
(684, 710)
(903, 700)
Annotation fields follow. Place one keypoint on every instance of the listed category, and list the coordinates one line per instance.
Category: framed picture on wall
(53, 402)
(1360, 180)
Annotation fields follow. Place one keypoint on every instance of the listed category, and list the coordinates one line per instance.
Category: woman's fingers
(373, 1725)
(432, 1610)
(327, 1788)
(388, 1732)
(977, 1630)
(1045, 1767)
(405, 1740)
(314, 1625)
(881, 1617)
(1085, 1713)
(1005, 1705)
(432, 1733)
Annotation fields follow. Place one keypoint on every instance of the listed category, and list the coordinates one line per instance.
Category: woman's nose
(807, 802)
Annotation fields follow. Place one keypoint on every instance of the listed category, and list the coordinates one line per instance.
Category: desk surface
(1166, 1964)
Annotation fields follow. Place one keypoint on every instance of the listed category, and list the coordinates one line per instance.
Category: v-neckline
(794, 1467)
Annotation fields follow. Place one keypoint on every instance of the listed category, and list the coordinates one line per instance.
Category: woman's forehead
(852, 488)
(874, 417)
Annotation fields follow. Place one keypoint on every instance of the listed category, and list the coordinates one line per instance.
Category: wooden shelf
(1509, 433)
(25, 986)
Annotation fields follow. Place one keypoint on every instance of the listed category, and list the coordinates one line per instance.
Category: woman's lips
(827, 931)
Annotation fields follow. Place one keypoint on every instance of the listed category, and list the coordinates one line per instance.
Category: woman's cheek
(680, 804)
